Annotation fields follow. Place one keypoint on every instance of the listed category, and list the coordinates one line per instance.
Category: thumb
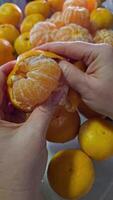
(76, 78)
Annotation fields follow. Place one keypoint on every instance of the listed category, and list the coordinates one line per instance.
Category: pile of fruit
(37, 75)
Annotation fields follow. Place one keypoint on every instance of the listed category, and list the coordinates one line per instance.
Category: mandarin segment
(104, 36)
(57, 19)
(77, 15)
(80, 3)
(72, 32)
(42, 33)
(35, 76)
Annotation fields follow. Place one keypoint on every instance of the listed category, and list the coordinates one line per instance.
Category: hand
(96, 84)
(23, 153)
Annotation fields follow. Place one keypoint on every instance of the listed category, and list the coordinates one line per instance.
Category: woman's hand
(23, 153)
(96, 84)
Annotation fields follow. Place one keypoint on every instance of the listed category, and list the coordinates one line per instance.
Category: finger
(74, 50)
(6, 68)
(75, 77)
(33, 131)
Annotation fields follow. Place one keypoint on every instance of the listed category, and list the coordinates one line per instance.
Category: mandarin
(41, 7)
(22, 43)
(42, 33)
(72, 32)
(96, 138)
(80, 3)
(77, 15)
(35, 76)
(71, 174)
(30, 21)
(9, 32)
(104, 36)
(64, 126)
(6, 52)
(57, 19)
(101, 18)
(10, 13)
(56, 5)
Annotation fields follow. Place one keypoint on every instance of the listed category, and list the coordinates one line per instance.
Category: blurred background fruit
(42, 33)
(9, 32)
(41, 7)
(56, 5)
(30, 21)
(10, 14)
(101, 18)
(71, 174)
(104, 36)
(22, 43)
(64, 126)
(96, 138)
(6, 52)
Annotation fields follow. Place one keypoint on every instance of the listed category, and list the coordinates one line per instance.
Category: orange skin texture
(42, 33)
(41, 7)
(31, 83)
(56, 5)
(64, 126)
(78, 15)
(6, 52)
(10, 14)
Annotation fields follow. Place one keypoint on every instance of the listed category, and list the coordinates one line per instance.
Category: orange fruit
(8, 32)
(86, 111)
(80, 3)
(71, 174)
(30, 21)
(56, 5)
(72, 32)
(6, 52)
(96, 138)
(42, 33)
(104, 36)
(41, 7)
(57, 19)
(91, 4)
(64, 126)
(10, 13)
(101, 18)
(77, 15)
(35, 76)
(22, 43)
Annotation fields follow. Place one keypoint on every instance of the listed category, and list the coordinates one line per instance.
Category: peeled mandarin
(101, 18)
(104, 36)
(9, 32)
(96, 138)
(57, 19)
(42, 33)
(22, 43)
(35, 76)
(71, 174)
(80, 3)
(72, 32)
(30, 21)
(64, 126)
(6, 51)
(10, 13)
(77, 15)
(41, 7)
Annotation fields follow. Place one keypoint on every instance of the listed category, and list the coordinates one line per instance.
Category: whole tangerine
(10, 13)
(64, 126)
